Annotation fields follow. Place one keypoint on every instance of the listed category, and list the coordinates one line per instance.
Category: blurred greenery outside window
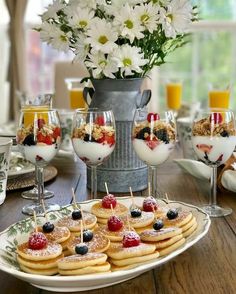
(209, 57)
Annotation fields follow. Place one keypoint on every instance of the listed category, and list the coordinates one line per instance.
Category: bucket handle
(146, 96)
(88, 91)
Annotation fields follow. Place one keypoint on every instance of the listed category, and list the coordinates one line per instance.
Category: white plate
(19, 233)
(18, 165)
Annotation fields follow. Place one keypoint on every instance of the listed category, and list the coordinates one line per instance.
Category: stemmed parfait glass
(36, 103)
(214, 140)
(153, 138)
(38, 138)
(93, 139)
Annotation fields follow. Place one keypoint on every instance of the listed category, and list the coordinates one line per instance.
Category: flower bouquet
(118, 39)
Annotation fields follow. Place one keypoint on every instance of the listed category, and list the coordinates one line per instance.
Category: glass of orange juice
(219, 98)
(174, 95)
(75, 89)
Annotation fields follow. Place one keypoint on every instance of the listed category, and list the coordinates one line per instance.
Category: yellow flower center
(169, 18)
(102, 63)
(83, 23)
(129, 24)
(127, 61)
(63, 38)
(102, 39)
(144, 18)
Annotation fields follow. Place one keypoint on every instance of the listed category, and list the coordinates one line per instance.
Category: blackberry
(224, 134)
(142, 132)
(162, 135)
(29, 140)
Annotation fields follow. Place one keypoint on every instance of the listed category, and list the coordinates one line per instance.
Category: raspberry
(216, 118)
(149, 204)
(109, 200)
(131, 239)
(37, 241)
(152, 142)
(152, 116)
(114, 223)
(100, 121)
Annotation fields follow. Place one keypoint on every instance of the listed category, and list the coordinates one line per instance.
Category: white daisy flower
(129, 59)
(83, 3)
(176, 18)
(102, 36)
(81, 18)
(54, 36)
(148, 14)
(101, 65)
(81, 49)
(52, 10)
(128, 23)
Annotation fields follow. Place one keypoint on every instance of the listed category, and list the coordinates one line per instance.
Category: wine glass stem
(153, 170)
(40, 183)
(213, 186)
(93, 182)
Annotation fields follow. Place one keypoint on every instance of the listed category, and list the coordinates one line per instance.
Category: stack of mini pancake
(41, 261)
(165, 240)
(141, 222)
(123, 258)
(88, 263)
(185, 220)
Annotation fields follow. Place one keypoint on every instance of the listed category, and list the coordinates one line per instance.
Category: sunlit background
(209, 57)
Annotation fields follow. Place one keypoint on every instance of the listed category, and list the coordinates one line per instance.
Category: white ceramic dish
(19, 233)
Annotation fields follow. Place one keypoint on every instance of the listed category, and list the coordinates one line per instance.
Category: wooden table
(207, 267)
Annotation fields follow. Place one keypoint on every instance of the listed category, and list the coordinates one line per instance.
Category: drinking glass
(153, 138)
(219, 97)
(38, 138)
(93, 139)
(75, 89)
(28, 104)
(214, 139)
(174, 95)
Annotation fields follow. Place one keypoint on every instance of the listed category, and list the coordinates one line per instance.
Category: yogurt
(155, 156)
(214, 150)
(92, 153)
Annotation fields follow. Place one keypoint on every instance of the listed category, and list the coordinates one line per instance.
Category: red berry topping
(152, 142)
(131, 239)
(114, 223)
(56, 133)
(41, 123)
(152, 116)
(48, 140)
(149, 204)
(100, 121)
(105, 139)
(216, 118)
(109, 200)
(37, 241)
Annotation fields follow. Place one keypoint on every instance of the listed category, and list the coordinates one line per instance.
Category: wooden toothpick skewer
(167, 198)
(35, 222)
(44, 209)
(106, 188)
(128, 223)
(132, 197)
(153, 210)
(74, 198)
(82, 213)
(81, 232)
(112, 210)
(149, 189)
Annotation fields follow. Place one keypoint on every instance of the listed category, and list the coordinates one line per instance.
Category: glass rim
(215, 110)
(92, 110)
(39, 110)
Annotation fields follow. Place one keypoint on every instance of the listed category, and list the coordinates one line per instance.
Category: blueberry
(135, 212)
(172, 213)
(87, 235)
(158, 225)
(76, 214)
(29, 140)
(81, 249)
(224, 134)
(142, 132)
(48, 227)
(162, 135)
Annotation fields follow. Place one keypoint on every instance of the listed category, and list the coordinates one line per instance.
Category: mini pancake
(89, 219)
(114, 236)
(40, 264)
(145, 219)
(52, 250)
(190, 230)
(58, 235)
(43, 272)
(101, 212)
(140, 230)
(120, 252)
(81, 261)
(189, 224)
(134, 260)
(93, 269)
(99, 243)
(171, 248)
(162, 234)
(167, 242)
(102, 221)
(183, 218)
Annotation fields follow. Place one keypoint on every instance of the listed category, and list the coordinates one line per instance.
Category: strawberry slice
(152, 116)
(106, 139)
(100, 121)
(152, 142)
(216, 118)
(56, 132)
(48, 140)
(40, 138)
